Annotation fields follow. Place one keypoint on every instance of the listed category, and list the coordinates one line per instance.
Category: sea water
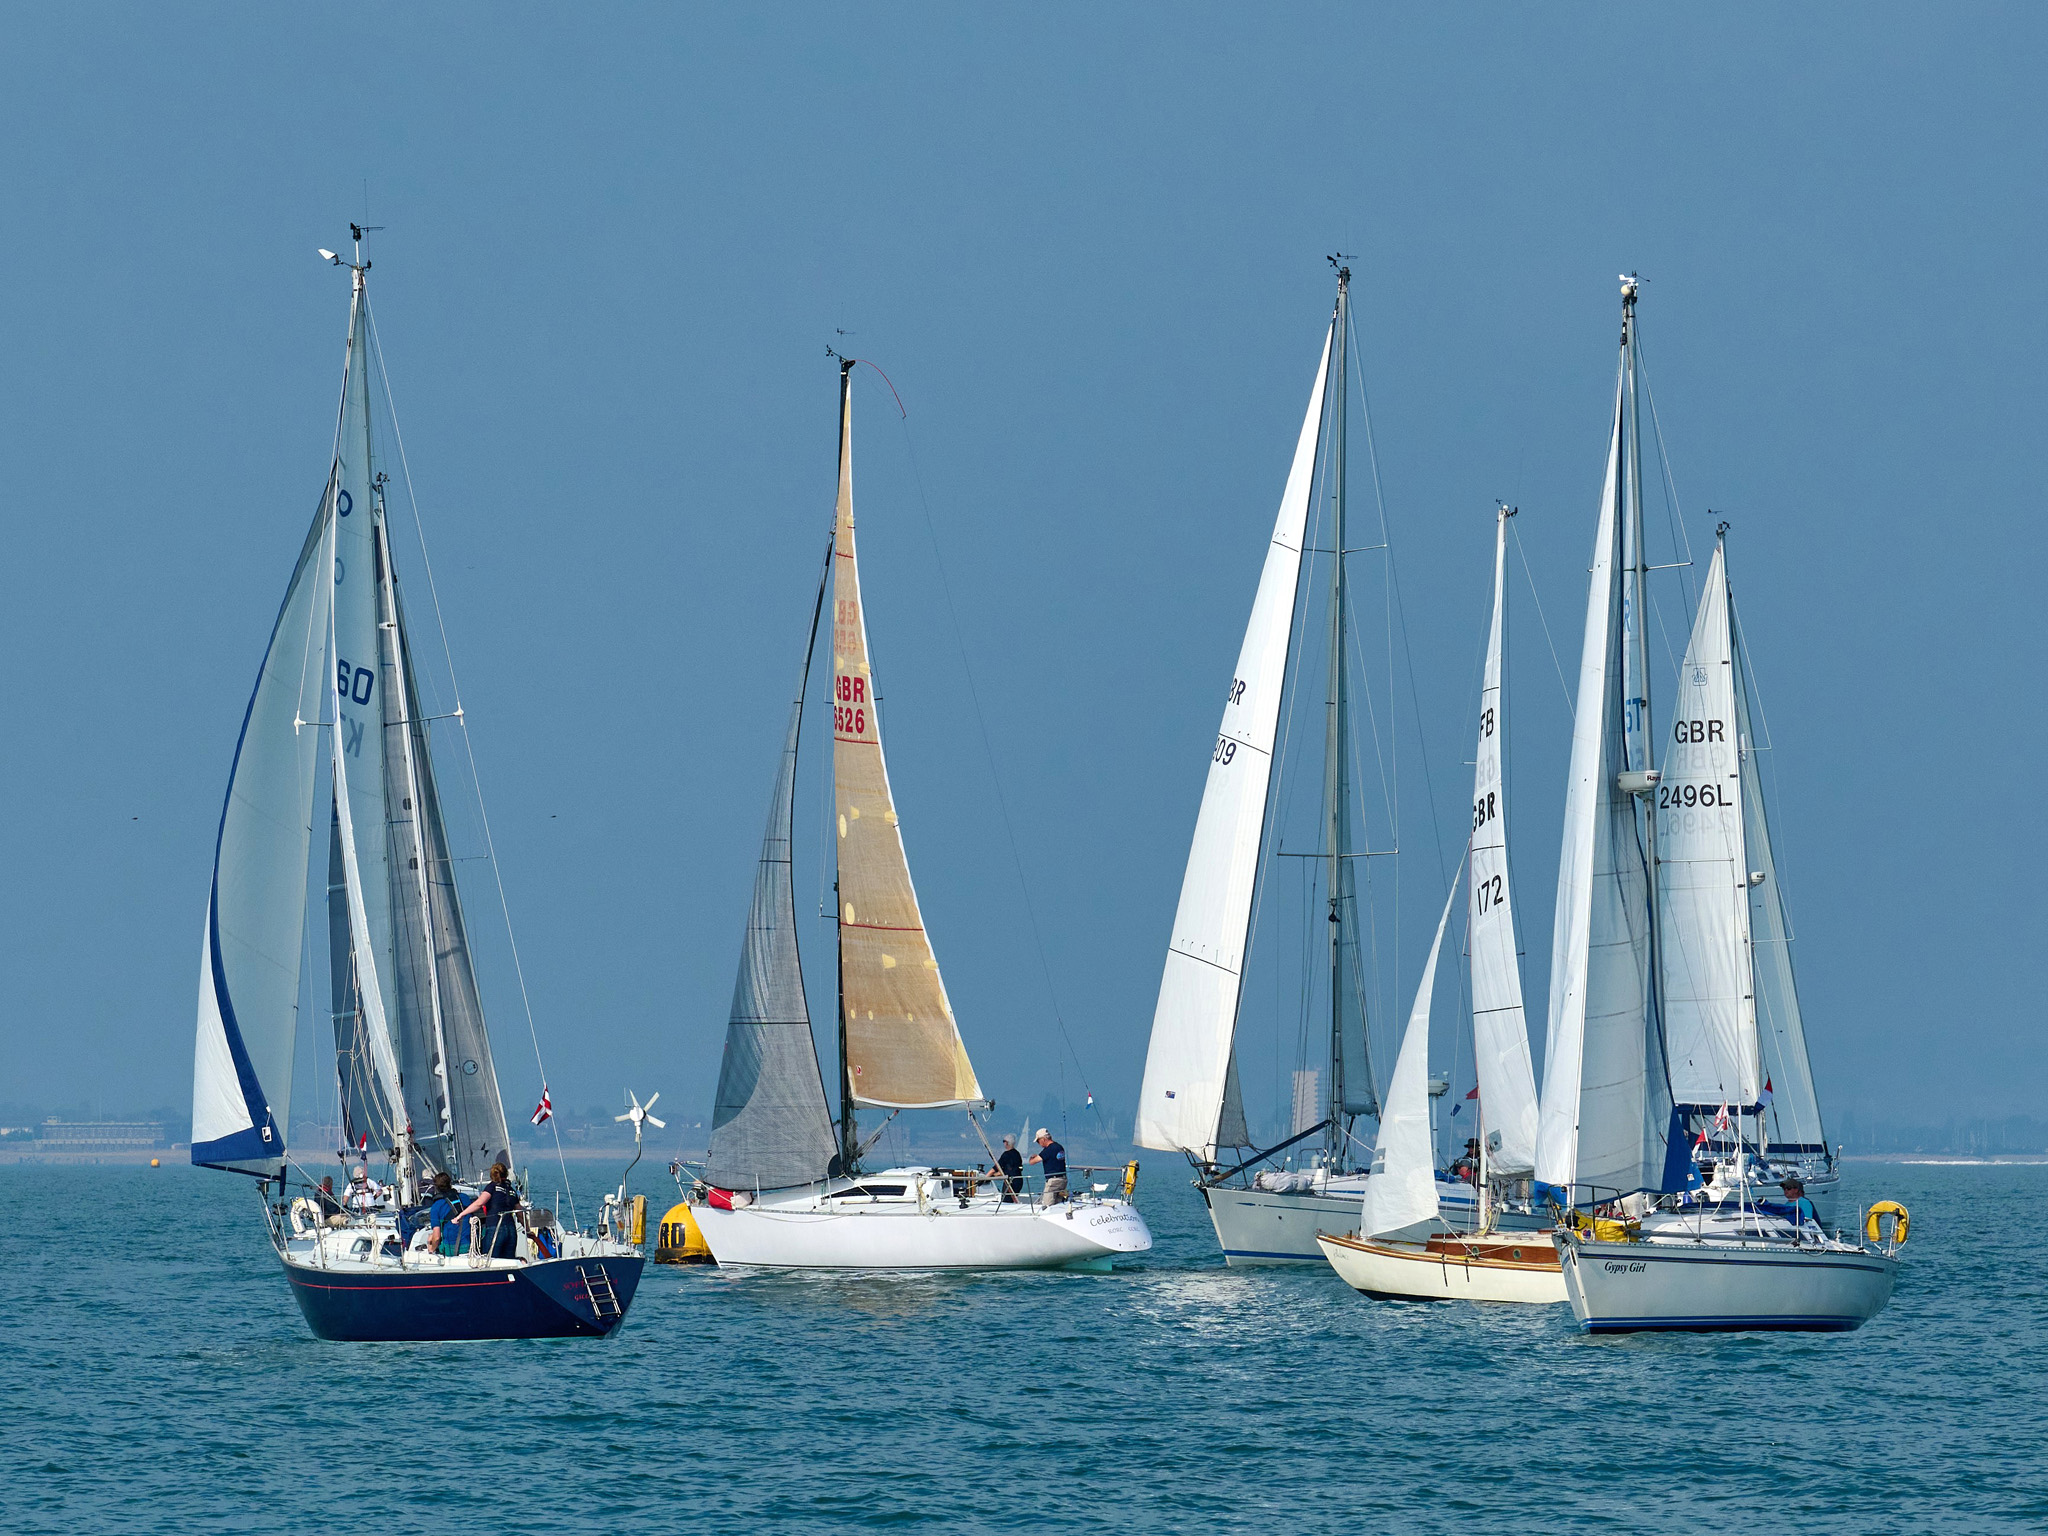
(155, 1375)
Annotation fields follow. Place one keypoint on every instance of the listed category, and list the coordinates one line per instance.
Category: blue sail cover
(256, 911)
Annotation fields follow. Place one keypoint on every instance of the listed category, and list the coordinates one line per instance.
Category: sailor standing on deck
(1012, 1165)
(1054, 1156)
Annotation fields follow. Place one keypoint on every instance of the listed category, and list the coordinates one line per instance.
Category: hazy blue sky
(1087, 244)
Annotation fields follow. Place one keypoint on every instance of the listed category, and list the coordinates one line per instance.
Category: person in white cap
(363, 1191)
(1054, 1157)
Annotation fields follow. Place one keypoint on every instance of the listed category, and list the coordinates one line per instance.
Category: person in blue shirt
(1054, 1157)
(1802, 1212)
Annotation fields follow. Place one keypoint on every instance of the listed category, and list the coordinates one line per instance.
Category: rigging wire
(469, 751)
(1537, 598)
(988, 751)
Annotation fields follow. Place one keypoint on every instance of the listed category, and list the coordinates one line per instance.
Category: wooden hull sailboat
(414, 1073)
(1450, 1267)
(783, 1186)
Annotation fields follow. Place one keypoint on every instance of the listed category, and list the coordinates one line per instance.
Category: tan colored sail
(903, 1050)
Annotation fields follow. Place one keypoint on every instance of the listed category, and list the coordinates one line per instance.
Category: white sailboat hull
(1708, 1287)
(1257, 1227)
(1408, 1272)
(822, 1229)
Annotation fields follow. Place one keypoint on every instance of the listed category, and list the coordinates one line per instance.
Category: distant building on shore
(55, 1135)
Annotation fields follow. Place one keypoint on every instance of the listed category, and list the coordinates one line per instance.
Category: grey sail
(1231, 1130)
(1794, 1123)
(366, 1118)
(770, 1128)
(451, 1083)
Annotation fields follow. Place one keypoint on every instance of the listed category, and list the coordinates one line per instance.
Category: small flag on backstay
(545, 1109)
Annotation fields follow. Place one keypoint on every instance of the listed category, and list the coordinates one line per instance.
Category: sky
(1087, 247)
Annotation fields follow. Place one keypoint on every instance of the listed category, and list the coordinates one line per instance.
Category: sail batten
(902, 1047)
(1190, 1068)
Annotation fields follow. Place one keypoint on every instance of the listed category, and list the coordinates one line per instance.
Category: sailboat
(783, 1184)
(414, 1072)
(1503, 1259)
(1190, 1100)
(1656, 979)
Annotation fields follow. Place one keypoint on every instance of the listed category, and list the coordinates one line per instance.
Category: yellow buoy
(680, 1240)
(1873, 1226)
(154, 1163)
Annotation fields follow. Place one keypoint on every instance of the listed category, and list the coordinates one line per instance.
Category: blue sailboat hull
(548, 1300)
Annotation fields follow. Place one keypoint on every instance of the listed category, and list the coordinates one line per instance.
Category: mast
(849, 1132)
(1336, 780)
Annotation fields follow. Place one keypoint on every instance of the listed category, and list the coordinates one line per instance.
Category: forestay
(1189, 1069)
(770, 1127)
(1703, 876)
(903, 1050)
(1500, 1033)
(1401, 1190)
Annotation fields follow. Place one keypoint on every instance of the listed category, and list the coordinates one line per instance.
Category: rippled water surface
(158, 1377)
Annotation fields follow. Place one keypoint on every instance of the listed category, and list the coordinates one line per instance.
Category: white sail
(1188, 1066)
(1402, 1188)
(1592, 1127)
(256, 911)
(1703, 874)
(1500, 1031)
(1794, 1115)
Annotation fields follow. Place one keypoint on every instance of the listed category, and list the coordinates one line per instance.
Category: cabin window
(871, 1192)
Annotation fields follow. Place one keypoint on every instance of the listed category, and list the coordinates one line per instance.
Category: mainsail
(1794, 1112)
(1500, 1032)
(1190, 1071)
(902, 1049)
(1402, 1189)
(1597, 1106)
(770, 1127)
(256, 909)
(1703, 875)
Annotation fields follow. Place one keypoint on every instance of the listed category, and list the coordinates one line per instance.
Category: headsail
(1703, 874)
(256, 910)
(1401, 1190)
(770, 1127)
(1500, 1031)
(902, 1048)
(1189, 1064)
